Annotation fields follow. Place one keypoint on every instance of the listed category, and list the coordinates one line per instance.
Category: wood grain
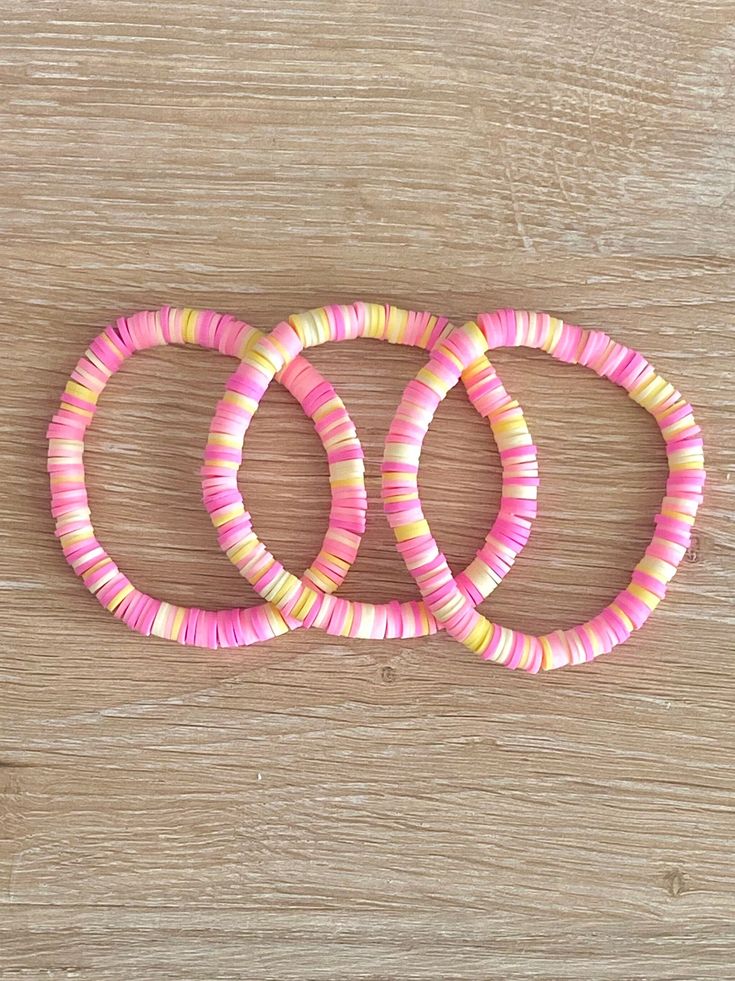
(346, 810)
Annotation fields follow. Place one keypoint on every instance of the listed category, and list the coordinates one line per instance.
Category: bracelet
(70, 506)
(444, 597)
(309, 600)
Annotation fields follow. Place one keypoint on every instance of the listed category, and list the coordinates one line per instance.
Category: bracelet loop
(623, 366)
(308, 599)
(70, 505)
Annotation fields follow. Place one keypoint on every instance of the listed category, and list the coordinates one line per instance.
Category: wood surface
(327, 809)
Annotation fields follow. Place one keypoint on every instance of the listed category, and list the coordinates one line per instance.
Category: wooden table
(318, 808)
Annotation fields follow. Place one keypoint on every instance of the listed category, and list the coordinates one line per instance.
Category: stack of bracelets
(448, 602)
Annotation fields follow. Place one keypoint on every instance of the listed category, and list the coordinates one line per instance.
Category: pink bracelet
(446, 600)
(70, 505)
(308, 600)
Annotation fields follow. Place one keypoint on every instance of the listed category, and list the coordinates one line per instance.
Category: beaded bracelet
(442, 592)
(70, 505)
(309, 600)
